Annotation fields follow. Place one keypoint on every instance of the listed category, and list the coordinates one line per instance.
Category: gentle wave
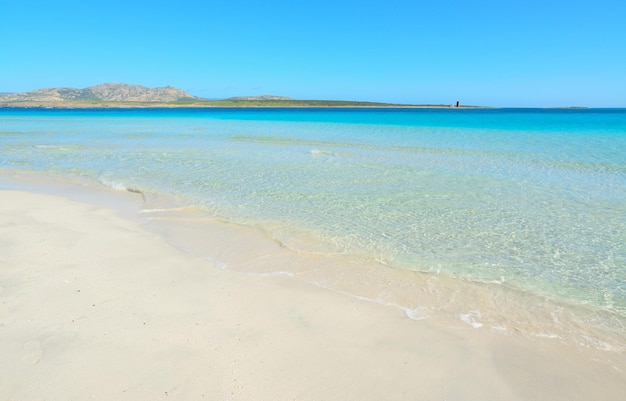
(523, 201)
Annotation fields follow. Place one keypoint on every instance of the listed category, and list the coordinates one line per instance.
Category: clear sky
(484, 52)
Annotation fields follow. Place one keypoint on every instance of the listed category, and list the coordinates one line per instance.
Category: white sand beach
(92, 306)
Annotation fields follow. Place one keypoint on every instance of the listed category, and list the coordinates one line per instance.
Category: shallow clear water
(532, 198)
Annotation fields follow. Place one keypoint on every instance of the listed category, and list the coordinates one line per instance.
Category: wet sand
(93, 306)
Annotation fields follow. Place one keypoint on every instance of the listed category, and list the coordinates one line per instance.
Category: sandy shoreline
(94, 306)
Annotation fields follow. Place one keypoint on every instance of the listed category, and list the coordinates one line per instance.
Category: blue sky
(498, 53)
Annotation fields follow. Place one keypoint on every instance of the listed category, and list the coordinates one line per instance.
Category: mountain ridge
(108, 92)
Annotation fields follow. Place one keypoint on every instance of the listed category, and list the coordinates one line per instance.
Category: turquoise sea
(528, 200)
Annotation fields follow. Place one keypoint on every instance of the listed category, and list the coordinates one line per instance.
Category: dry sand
(92, 306)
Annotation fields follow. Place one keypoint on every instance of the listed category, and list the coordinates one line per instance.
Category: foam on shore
(94, 306)
(419, 295)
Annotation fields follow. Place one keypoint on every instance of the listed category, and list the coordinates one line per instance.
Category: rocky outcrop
(137, 93)
(111, 92)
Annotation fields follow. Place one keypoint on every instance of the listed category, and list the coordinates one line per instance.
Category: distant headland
(120, 95)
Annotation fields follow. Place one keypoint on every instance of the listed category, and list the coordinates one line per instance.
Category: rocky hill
(111, 92)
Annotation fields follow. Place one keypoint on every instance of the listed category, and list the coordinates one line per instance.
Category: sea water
(532, 200)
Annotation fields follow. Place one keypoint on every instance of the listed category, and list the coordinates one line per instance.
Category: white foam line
(545, 335)
(224, 267)
(417, 313)
(172, 209)
(469, 318)
(220, 265)
(408, 312)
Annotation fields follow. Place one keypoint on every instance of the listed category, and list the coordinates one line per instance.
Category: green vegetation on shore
(295, 103)
(120, 95)
(83, 104)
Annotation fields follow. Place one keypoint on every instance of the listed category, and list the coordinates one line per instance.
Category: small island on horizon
(120, 95)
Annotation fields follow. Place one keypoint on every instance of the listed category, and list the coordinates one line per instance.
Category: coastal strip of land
(93, 306)
(120, 95)
(221, 104)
